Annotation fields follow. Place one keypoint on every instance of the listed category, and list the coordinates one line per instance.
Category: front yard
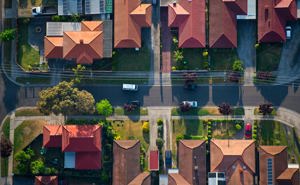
(222, 59)
(205, 111)
(268, 57)
(28, 57)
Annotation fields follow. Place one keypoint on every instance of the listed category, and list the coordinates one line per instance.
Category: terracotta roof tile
(273, 150)
(46, 180)
(222, 22)
(53, 47)
(91, 26)
(127, 28)
(177, 179)
(52, 135)
(189, 17)
(288, 174)
(142, 179)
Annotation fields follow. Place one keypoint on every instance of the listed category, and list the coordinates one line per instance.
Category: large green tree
(104, 108)
(23, 159)
(8, 34)
(66, 99)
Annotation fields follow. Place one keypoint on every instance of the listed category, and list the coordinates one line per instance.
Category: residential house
(71, 7)
(126, 164)
(223, 22)
(272, 18)
(191, 164)
(273, 167)
(81, 144)
(81, 42)
(130, 16)
(46, 180)
(234, 158)
(189, 17)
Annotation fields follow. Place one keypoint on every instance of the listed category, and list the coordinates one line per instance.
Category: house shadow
(274, 94)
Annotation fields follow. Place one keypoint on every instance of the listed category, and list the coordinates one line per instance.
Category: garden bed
(256, 112)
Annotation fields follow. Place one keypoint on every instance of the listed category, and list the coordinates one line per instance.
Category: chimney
(81, 41)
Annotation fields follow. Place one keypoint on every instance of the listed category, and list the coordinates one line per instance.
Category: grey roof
(251, 11)
(69, 7)
(58, 28)
(107, 39)
(94, 6)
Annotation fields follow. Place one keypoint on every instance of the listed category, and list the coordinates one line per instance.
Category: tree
(159, 143)
(238, 66)
(225, 109)
(78, 73)
(178, 55)
(6, 147)
(37, 167)
(23, 159)
(65, 99)
(266, 109)
(184, 107)
(104, 108)
(146, 126)
(8, 35)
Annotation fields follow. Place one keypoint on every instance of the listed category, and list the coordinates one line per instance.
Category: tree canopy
(238, 66)
(6, 147)
(225, 109)
(65, 99)
(8, 34)
(104, 108)
(266, 109)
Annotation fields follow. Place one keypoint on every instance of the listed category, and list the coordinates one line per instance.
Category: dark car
(135, 103)
(248, 131)
(168, 159)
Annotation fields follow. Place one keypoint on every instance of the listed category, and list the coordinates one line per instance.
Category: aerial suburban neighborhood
(150, 92)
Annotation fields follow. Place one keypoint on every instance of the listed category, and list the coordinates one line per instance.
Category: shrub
(146, 127)
(238, 127)
(205, 65)
(205, 53)
(179, 137)
(238, 66)
(256, 45)
(37, 167)
(174, 68)
(254, 136)
(178, 55)
(160, 122)
(104, 108)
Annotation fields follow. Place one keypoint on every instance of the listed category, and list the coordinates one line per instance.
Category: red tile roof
(154, 160)
(142, 179)
(189, 17)
(290, 176)
(88, 137)
(222, 22)
(176, 179)
(130, 16)
(52, 135)
(46, 180)
(272, 18)
(84, 46)
(88, 160)
(236, 158)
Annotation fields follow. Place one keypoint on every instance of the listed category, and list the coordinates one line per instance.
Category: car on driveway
(248, 131)
(193, 104)
(168, 159)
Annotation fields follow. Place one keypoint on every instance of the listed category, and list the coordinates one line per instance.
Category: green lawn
(114, 81)
(192, 57)
(28, 112)
(119, 111)
(268, 57)
(27, 56)
(219, 128)
(131, 60)
(26, 133)
(4, 161)
(273, 133)
(222, 59)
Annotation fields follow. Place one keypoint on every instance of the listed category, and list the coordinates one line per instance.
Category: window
(270, 171)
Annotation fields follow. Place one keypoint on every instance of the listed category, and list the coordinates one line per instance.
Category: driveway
(37, 31)
(289, 66)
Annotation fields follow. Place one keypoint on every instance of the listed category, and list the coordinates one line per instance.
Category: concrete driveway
(37, 31)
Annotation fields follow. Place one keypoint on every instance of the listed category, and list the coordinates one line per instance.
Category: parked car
(135, 103)
(168, 159)
(130, 87)
(288, 32)
(193, 104)
(248, 131)
(47, 10)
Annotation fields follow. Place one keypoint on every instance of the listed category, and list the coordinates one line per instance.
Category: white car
(288, 32)
(130, 87)
(193, 104)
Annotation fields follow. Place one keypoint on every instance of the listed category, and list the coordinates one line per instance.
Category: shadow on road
(228, 94)
(273, 94)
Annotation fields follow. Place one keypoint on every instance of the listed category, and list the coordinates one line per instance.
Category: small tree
(266, 109)
(23, 159)
(146, 127)
(104, 108)
(159, 143)
(238, 66)
(37, 167)
(225, 109)
(8, 35)
(78, 73)
(178, 55)
(6, 147)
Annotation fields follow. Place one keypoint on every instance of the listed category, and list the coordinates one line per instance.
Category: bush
(205, 53)
(205, 65)
(179, 137)
(8, 35)
(104, 108)
(254, 136)
(160, 122)
(173, 68)
(159, 143)
(178, 55)
(37, 167)
(23, 159)
(238, 66)
(238, 127)
(146, 127)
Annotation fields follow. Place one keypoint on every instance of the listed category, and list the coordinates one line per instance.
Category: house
(130, 16)
(126, 164)
(189, 17)
(71, 7)
(273, 167)
(83, 42)
(272, 18)
(81, 144)
(154, 160)
(191, 164)
(223, 22)
(235, 159)
(46, 180)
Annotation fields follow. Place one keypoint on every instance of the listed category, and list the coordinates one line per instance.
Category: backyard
(268, 57)
(275, 133)
(28, 57)
(131, 60)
